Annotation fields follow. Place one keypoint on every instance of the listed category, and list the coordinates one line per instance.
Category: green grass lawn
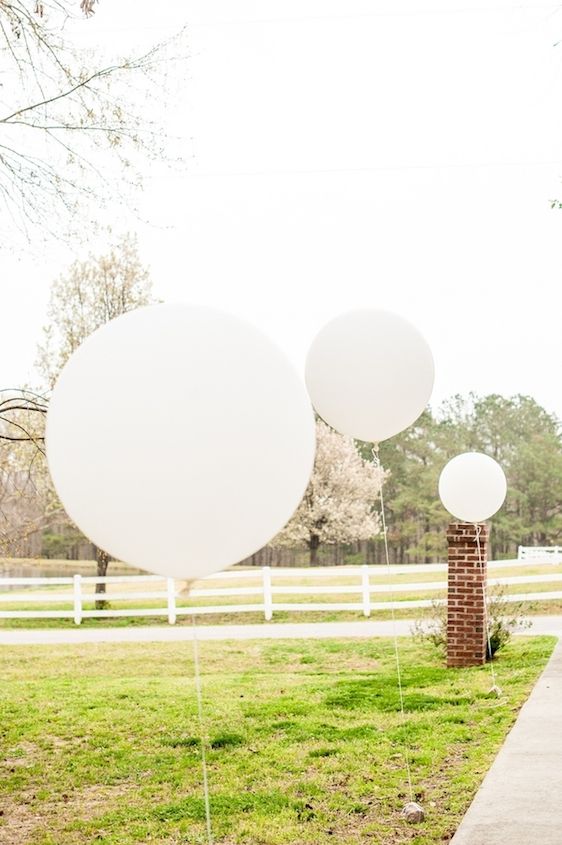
(99, 743)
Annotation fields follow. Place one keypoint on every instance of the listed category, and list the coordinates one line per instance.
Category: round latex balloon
(180, 439)
(472, 487)
(369, 374)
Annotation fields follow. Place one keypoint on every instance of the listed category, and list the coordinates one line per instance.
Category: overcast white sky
(346, 152)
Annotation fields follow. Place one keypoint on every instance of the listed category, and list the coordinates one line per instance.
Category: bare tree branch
(99, 74)
(98, 119)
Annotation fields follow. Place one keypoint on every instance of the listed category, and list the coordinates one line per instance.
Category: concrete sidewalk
(519, 800)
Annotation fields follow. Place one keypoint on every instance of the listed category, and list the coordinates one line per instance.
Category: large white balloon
(472, 487)
(180, 439)
(369, 374)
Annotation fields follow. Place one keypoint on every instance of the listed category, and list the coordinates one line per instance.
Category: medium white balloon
(180, 439)
(369, 374)
(472, 487)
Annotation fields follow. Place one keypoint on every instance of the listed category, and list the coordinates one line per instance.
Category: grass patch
(226, 740)
(100, 743)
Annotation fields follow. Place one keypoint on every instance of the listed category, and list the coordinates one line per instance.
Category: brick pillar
(466, 612)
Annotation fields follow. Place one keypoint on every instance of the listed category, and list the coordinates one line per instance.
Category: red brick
(466, 640)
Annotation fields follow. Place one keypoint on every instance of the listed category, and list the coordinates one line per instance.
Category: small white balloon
(180, 439)
(472, 487)
(369, 374)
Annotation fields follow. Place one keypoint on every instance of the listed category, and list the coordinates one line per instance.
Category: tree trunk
(313, 545)
(102, 562)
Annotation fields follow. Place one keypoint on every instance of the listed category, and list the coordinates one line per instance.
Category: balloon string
(485, 600)
(406, 749)
(201, 731)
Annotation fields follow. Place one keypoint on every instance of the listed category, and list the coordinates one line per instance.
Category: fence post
(366, 590)
(77, 583)
(171, 601)
(267, 594)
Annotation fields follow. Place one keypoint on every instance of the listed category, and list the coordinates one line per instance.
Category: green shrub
(503, 618)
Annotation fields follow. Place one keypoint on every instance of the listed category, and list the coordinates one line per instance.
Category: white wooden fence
(80, 591)
(544, 554)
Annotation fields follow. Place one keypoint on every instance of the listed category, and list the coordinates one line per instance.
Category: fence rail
(80, 591)
(545, 554)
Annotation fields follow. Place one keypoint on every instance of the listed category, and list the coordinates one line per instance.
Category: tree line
(517, 432)
(521, 435)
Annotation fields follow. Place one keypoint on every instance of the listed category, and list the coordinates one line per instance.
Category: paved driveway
(271, 630)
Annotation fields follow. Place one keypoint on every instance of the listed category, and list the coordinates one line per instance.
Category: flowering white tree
(88, 295)
(339, 503)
